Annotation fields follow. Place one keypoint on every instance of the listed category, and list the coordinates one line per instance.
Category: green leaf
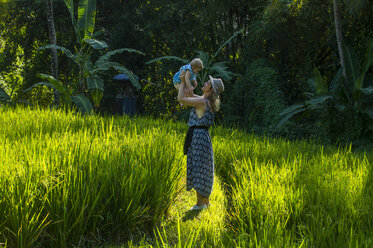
(97, 96)
(70, 7)
(39, 84)
(66, 51)
(65, 93)
(135, 82)
(340, 107)
(290, 112)
(367, 91)
(4, 96)
(54, 82)
(122, 69)
(316, 102)
(83, 104)
(185, 61)
(98, 33)
(351, 62)
(95, 83)
(337, 79)
(96, 44)
(292, 108)
(227, 41)
(320, 84)
(221, 70)
(368, 59)
(87, 17)
(106, 56)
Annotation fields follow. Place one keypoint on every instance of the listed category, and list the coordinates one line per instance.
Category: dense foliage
(273, 58)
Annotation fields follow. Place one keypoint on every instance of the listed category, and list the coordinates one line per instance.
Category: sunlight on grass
(71, 180)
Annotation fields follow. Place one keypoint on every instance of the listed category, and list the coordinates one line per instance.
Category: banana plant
(89, 81)
(67, 96)
(217, 69)
(336, 93)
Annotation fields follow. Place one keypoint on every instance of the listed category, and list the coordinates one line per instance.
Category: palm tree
(52, 38)
(354, 7)
(53, 41)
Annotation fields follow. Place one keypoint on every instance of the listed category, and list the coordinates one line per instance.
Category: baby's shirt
(193, 75)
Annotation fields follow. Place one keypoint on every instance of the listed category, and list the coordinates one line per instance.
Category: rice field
(88, 181)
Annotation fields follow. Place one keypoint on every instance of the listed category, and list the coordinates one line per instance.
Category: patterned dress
(200, 157)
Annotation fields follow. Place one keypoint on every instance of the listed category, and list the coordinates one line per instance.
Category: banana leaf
(86, 17)
(291, 109)
(335, 83)
(368, 90)
(222, 71)
(82, 103)
(315, 103)
(185, 61)
(96, 88)
(368, 60)
(320, 84)
(96, 44)
(290, 112)
(107, 65)
(227, 41)
(55, 83)
(107, 55)
(351, 62)
(66, 51)
(97, 95)
(66, 96)
(70, 6)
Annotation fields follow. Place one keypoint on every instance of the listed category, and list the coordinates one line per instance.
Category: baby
(188, 73)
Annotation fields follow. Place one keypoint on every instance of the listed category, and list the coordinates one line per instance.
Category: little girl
(188, 73)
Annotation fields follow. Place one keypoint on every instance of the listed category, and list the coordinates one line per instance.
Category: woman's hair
(214, 101)
(197, 63)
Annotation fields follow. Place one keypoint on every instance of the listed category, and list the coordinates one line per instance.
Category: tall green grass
(73, 181)
(296, 194)
(68, 180)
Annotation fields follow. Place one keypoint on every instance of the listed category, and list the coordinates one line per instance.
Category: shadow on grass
(190, 215)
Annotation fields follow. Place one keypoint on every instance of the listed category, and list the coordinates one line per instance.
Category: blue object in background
(121, 76)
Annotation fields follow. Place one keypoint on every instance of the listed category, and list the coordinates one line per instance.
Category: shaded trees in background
(292, 37)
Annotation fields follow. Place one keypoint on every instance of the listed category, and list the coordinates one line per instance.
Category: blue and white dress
(200, 156)
(177, 79)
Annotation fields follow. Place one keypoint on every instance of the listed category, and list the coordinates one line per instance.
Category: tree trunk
(339, 36)
(52, 41)
(52, 38)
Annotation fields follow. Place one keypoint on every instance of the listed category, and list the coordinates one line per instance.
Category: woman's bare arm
(194, 101)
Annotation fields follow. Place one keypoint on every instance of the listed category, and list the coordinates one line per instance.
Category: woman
(198, 146)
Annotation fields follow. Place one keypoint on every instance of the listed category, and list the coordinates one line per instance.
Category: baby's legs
(187, 90)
